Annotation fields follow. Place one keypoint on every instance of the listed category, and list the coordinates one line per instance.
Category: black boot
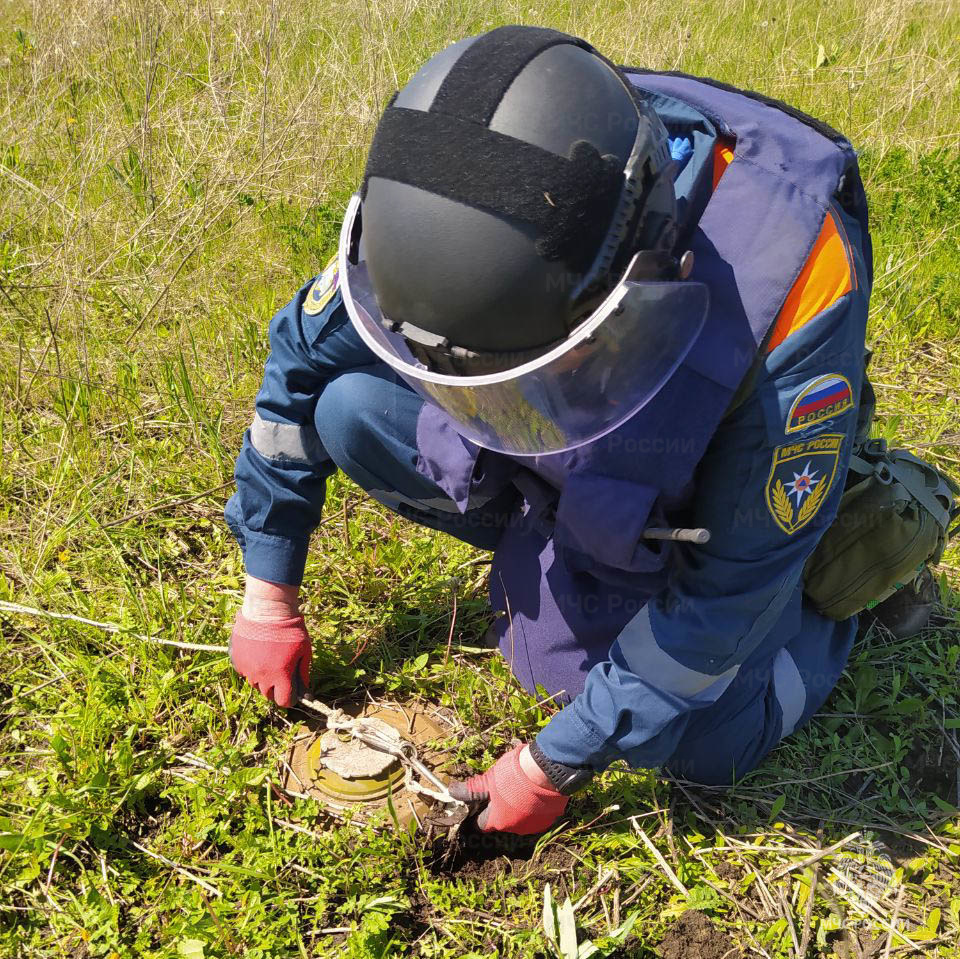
(908, 610)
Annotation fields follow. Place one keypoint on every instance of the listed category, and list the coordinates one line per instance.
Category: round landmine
(345, 769)
(347, 774)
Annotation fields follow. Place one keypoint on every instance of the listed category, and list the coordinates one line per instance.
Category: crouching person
(609, 324)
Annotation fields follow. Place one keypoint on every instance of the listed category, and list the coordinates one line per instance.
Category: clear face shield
(612, 364)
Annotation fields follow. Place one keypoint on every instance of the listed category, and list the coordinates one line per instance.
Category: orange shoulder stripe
(826, 276)
(722, 157)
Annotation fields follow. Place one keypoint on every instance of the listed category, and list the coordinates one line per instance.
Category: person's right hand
(270, 646)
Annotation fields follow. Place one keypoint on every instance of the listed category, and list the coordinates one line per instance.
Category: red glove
(273, 657)
(515, 803)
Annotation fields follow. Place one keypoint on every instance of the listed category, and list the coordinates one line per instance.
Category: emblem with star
(803, 483)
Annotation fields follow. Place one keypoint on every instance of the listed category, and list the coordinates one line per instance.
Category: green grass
(169, 174)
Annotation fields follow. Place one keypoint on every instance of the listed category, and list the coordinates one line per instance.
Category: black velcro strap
(478, 80)
(569, 201)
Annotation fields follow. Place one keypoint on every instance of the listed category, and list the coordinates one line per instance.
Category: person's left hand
(519, 796)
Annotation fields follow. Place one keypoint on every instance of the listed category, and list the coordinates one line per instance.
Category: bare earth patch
(695, 936)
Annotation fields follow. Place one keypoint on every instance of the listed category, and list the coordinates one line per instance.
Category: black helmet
(507, 188)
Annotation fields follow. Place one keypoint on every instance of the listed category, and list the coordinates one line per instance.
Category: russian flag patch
(821, 399)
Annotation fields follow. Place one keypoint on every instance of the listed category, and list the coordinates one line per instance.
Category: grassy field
(170, 172)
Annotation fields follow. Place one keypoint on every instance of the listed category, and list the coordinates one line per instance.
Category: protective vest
(750, 239)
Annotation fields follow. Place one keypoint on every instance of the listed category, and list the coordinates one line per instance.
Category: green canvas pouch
(894, 516)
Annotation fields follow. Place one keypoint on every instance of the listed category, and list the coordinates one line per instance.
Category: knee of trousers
(724, 742)
(362, 416)
(768, 701)
(729, 754)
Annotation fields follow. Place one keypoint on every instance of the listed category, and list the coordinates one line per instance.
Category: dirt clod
(727, 870)
(695, 936)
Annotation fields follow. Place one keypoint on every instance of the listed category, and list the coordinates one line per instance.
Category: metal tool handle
(409, 754)
(678, 534)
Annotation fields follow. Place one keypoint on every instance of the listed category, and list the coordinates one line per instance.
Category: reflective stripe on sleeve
(442, 504)
(643, 656)
(286, 441)
(790, 691)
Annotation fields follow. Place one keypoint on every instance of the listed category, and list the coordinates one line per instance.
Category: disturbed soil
(484, 856)
(695, 936)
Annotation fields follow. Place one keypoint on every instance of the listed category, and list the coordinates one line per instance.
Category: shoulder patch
(323, 288)
(801, 477)
(820, 399)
